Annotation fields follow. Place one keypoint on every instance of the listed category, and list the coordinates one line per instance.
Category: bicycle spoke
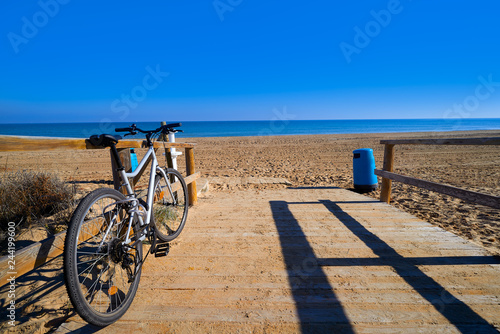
(78, 263)
(97, 280)
(91, 253)
(91, 267)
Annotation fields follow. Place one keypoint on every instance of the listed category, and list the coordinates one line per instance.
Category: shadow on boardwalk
(41, 303)
(318, 308)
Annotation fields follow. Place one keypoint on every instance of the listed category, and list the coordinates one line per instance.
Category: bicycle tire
(106, 296)
(169, 215)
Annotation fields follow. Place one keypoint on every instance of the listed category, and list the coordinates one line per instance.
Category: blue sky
(88, 61)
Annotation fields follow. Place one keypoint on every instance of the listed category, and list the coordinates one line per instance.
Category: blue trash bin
(363, 164)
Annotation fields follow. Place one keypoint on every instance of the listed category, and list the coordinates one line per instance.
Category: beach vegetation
(27, 197)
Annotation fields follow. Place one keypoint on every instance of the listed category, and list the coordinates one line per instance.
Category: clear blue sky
(77, 61)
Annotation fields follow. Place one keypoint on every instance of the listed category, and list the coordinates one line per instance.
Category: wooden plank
(385, 192)
(444, 141)
(190, 169)
(466, 195)
(124, 154)
(121, 144)
(13, 143)
(170, 162)
(32, 256)
(140, 144)
(176, 145)
(37, 254)
(189, 180)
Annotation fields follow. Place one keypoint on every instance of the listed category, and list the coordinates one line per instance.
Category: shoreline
(429, 134)
(357, 134)
(349, 134)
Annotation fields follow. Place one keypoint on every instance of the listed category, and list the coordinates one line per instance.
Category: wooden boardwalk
(312, 260)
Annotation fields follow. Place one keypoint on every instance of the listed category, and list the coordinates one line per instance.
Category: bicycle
(103, 249)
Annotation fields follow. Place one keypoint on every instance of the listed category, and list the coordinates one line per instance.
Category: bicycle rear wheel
(170, 205)
(101, 275)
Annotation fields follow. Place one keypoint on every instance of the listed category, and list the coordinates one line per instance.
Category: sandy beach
(232, 165)
(319, 160)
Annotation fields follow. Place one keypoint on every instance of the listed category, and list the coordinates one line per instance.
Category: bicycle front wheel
(101, 273)
(170, 205)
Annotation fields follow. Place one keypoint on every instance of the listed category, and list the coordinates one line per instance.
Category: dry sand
(320, 160)
(311, 161)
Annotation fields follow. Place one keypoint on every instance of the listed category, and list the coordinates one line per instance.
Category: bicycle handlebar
(173, 125)
(164, 129)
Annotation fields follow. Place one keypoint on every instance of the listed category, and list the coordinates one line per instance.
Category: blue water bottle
(133, 159)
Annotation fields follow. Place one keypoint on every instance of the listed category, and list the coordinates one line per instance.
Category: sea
(275, 127)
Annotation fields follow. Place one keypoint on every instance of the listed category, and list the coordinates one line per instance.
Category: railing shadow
(40, 297)
(457, 312)
(41, 300)
(318, 308)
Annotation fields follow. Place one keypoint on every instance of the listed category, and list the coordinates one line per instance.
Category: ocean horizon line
(275, 127)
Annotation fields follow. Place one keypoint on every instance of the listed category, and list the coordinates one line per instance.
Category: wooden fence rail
(12, 143)
(37, 254)
(388, 175)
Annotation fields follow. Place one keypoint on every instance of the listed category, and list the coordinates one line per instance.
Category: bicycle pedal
(162, 249)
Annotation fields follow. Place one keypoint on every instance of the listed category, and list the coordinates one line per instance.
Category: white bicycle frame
(131, 197)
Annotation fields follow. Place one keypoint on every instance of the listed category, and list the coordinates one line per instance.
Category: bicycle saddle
(104, 140)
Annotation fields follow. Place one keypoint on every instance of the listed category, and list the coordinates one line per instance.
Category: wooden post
(163, 137)
(385, 193)
(124, 154)
(170, 164)
(168, 157)
(190, 169)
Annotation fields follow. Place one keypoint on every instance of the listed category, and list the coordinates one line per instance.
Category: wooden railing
(388, 175)
(37, 254)
(11, 143)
